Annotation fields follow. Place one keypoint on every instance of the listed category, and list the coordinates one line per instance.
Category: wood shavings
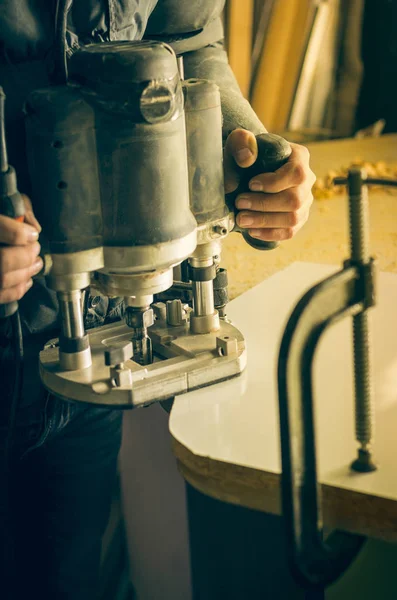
(324, 189)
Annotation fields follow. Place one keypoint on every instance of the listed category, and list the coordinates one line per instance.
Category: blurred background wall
(316, 69)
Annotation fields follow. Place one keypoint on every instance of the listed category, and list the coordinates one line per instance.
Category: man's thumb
(241, 150)
(243, 147)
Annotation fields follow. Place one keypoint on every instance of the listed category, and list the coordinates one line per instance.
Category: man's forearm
(212, 63)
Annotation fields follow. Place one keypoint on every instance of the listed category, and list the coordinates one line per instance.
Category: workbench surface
(226, 437)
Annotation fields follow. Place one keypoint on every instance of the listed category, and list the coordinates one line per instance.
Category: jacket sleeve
(194, 29)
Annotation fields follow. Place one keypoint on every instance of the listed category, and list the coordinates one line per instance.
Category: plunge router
(127, 179)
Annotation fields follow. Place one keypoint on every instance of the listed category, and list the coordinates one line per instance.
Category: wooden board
(227, 436)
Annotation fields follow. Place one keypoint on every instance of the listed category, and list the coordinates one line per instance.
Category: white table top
(236, 421)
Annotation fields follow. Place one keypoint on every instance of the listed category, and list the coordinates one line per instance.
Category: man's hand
(19, 251)
(278, 204)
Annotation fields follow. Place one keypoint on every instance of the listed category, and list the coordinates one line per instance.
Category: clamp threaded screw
(363, 384)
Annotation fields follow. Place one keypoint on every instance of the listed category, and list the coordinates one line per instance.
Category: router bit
(139, 316)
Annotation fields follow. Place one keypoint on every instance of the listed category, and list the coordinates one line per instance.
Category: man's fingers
(294, 173)
(289, 175)
(15, 293)
(14, 258)
(29, 214)
(11, 279)
(286, 201)
(273, 235)
(14, 233)
(250, 219)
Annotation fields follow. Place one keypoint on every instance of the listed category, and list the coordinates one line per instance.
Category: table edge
(347, 510)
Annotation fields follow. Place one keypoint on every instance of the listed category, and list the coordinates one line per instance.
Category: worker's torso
(27, 26)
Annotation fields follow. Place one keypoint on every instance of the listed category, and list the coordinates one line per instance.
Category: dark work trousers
(63, 468)
(55, 500)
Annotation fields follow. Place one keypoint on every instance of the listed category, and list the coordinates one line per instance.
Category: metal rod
(203, 291)
(74, 349)
(181, 67)
(358, 217)
(203, 298)
(368, 181)
(363, 384)
(388, 182)
(363, 381)
(71, 314)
